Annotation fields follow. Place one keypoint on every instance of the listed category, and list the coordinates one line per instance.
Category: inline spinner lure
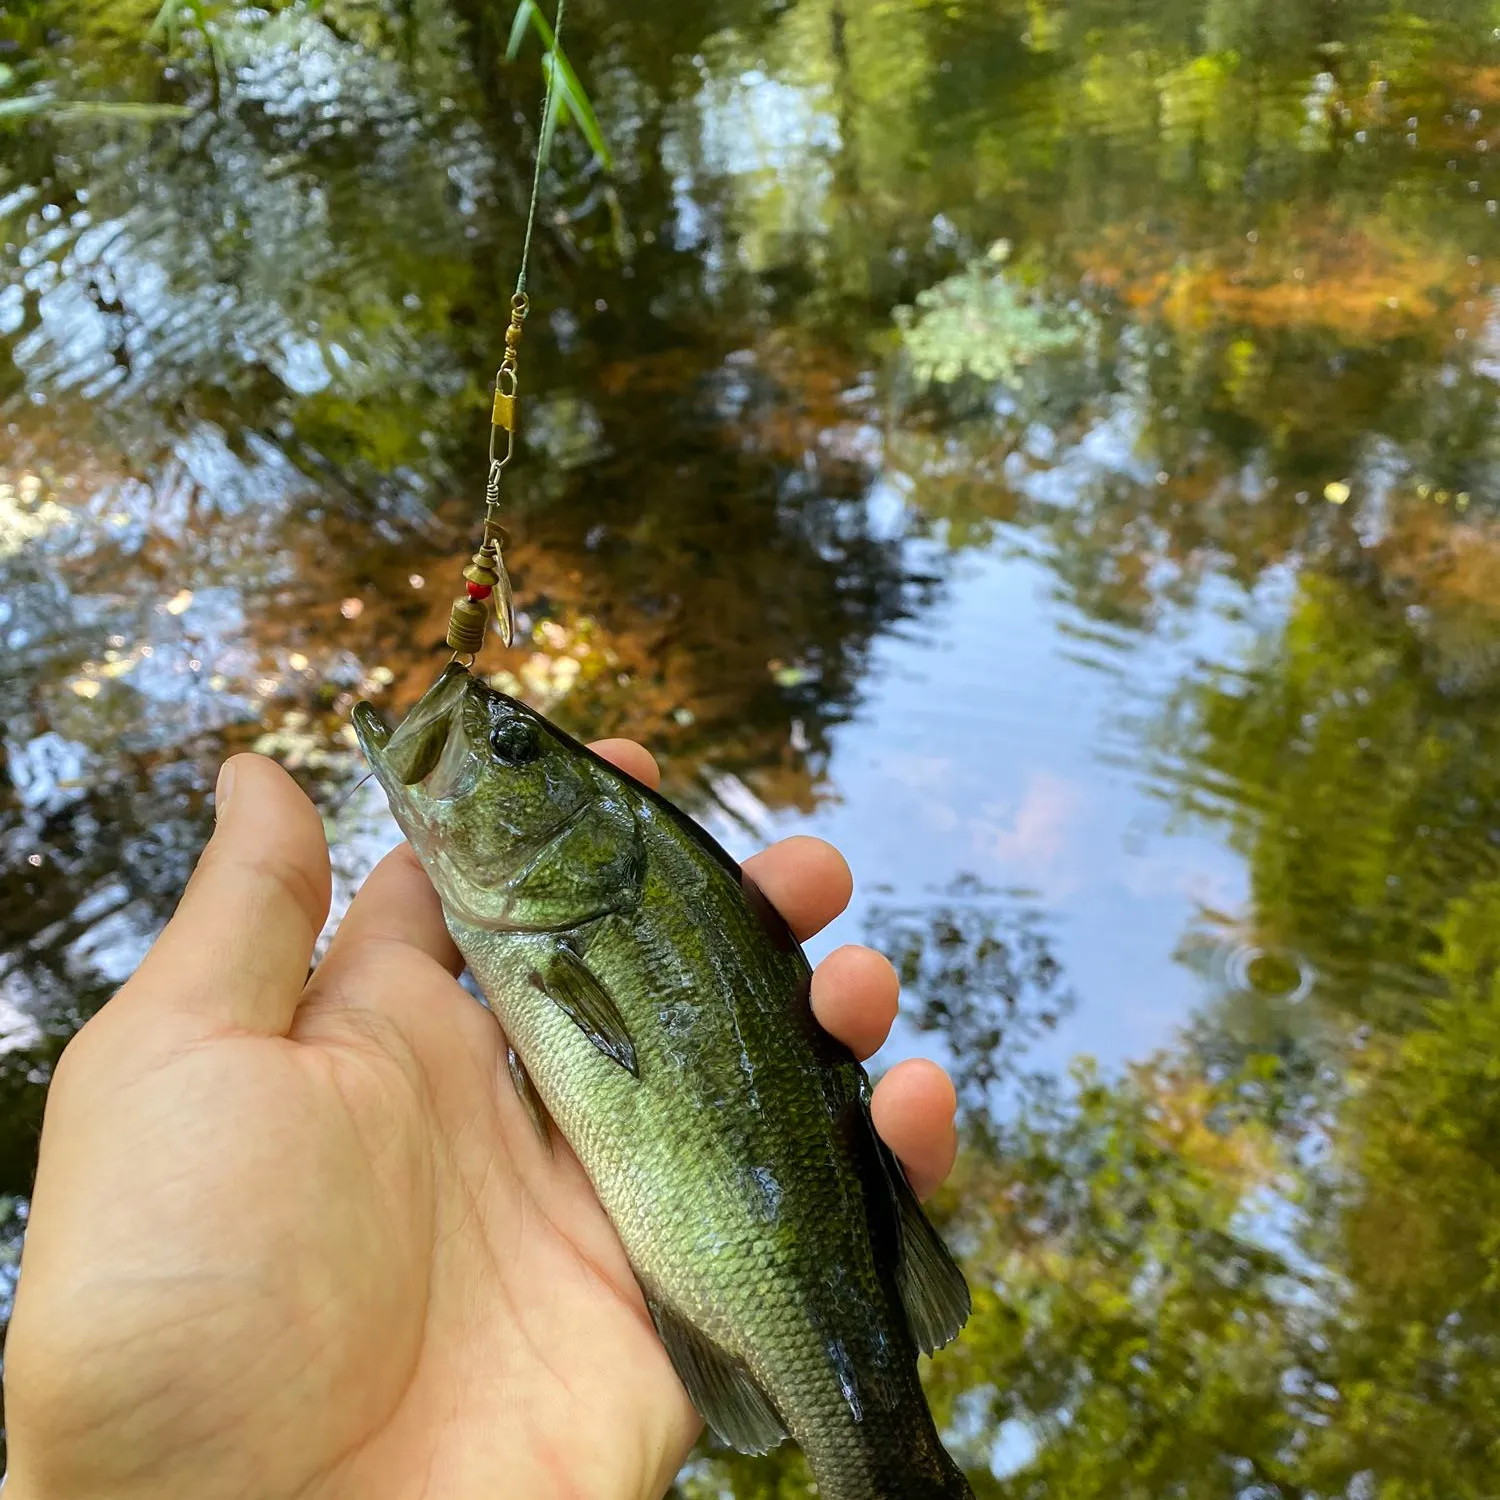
(487, 588)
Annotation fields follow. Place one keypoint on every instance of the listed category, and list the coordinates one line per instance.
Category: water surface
(1048, 448)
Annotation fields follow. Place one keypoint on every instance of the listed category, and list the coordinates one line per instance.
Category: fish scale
(660, 1009)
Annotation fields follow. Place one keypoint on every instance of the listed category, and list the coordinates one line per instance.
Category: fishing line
(486, 583)
(348, 796)
(541, 144)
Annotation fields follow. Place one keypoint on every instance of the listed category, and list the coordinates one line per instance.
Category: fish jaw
(405, 760)
(371, 732)
(390, 753)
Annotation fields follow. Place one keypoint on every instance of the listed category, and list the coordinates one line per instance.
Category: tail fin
(914, 1487)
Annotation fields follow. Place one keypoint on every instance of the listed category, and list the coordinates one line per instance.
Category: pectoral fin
(572, 987)
(722, 1389)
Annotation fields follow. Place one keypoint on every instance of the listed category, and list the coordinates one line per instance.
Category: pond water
(1048, 447)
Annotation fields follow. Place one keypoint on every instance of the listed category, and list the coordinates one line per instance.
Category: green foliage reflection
(1239, 364)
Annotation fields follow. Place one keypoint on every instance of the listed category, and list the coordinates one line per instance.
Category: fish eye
(515, 743)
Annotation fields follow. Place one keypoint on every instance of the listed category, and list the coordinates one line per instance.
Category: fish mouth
(407, 755)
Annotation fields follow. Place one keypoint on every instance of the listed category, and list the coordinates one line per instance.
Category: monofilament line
(553, 64)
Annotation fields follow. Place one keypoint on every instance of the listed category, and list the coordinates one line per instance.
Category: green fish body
(659, 1007)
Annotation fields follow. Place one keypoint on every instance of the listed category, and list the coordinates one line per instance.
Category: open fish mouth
(409, 754)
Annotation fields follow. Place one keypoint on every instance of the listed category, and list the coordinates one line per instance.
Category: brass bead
(482, 570)
(468, 626)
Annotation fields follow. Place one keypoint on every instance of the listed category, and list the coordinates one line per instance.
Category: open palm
(299, 1238)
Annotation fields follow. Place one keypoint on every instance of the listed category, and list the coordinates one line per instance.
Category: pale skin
(297, 1239)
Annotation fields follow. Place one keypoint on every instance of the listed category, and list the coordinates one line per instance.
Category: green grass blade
(86, 109)
(554, 109)
(165, 24)
(582, 111)
(524, 13)
(542, 26)
(570, 102)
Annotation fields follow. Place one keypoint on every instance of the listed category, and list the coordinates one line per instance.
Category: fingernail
(223, 788)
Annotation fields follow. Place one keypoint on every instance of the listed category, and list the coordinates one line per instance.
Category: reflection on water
(1047, 444)
(977, 967)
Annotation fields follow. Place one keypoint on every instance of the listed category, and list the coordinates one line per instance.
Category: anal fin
(568, 982)
(530, 1099)
(722, 1389)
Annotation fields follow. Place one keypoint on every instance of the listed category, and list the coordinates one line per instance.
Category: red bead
(480, 590)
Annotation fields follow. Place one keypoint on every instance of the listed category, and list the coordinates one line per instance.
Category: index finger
(633, 759)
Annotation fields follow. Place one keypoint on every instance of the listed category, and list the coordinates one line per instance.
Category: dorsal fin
(772, 923)
(722, 1389)
(933, 1292)
(933, 1289)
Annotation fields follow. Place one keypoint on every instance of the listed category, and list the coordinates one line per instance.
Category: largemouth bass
(659, 1007)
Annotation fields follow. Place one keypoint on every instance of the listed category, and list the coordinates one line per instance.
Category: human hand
(297, 1237)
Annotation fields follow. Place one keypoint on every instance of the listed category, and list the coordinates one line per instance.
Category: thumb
(237, 951)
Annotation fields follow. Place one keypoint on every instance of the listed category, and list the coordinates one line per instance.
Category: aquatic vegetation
(983, 323)
(570, 101)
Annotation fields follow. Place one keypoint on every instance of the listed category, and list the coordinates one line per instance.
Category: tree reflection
(977, 967)
(1359, 776)
(1243, 338)
(1352, 757)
